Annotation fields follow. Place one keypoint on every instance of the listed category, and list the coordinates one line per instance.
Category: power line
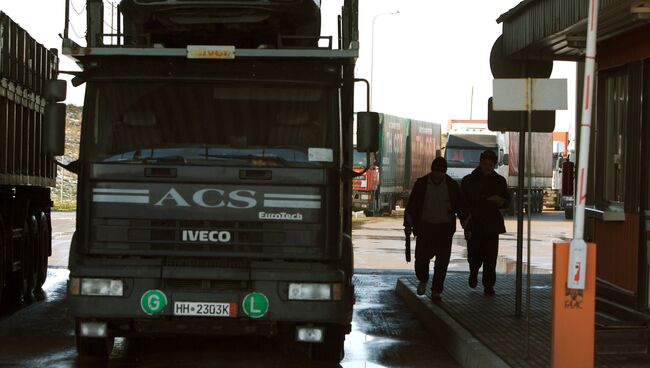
(75, 31)
(109, 26)
(74, 8)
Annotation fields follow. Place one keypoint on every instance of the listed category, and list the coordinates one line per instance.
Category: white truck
(466, 141)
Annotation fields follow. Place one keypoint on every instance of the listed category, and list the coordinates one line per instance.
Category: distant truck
(27, 172)
(407, 147)
(466, 141)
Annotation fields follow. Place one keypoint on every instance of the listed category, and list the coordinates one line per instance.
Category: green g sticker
(153, 302)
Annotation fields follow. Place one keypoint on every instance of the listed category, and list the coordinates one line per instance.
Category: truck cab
(214, 191)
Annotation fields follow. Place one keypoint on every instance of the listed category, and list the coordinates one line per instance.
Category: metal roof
(556, 29)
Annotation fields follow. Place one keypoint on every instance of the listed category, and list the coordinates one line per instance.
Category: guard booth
(619, 186)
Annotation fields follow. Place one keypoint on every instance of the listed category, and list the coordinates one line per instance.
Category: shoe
(488, 291)
(435, 296)
(473, 280)
(422, 288)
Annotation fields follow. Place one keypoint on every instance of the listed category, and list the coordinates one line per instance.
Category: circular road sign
(153, 302)
(256, 305)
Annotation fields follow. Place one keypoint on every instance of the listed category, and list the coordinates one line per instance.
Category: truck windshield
(360, 159)
(463, 157)
(182, 122)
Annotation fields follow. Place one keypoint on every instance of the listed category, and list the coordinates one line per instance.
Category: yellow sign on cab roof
(210, 52)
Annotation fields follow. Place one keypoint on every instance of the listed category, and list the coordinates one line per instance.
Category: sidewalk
(482, 331)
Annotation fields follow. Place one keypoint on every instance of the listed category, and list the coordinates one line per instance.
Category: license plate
(205, 309)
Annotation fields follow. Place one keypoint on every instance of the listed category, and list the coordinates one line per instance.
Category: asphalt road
(385, 334)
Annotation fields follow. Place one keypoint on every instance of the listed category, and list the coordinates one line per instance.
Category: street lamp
(372, 56)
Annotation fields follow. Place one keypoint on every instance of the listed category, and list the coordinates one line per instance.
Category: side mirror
(54, 129)
(506, 159)
(55, 90)
(367, 132)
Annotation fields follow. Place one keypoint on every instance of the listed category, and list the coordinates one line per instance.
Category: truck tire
(44, 240)
(568, 213)
(19, 285)
(332, 349)
(369, 213)
(31, 262)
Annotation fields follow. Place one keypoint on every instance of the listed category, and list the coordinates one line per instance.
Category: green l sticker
(153, 302)
(256, 305)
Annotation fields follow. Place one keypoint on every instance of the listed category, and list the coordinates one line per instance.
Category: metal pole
(520, 217)
(529, 212)
(67, 19)
(471, 105)
(62, 173)
(578, 248)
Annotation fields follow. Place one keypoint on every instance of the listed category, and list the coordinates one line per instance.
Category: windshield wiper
(172, 159)
(256, 160)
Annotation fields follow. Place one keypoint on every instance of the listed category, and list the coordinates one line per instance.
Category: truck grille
(164, 237)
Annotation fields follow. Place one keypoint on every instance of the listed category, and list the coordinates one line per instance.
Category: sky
(427, 58)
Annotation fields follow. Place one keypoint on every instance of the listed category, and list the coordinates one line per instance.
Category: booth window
(615, 91)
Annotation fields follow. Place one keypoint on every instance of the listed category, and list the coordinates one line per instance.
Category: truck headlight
(314, 291)
(102, 287)
(365, 197)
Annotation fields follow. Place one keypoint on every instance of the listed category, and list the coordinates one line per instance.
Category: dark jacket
(416, 200)
(485, 217)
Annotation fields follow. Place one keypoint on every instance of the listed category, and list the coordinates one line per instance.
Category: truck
(214, 178)
(466, 141)
(407, 147)
(27, 171)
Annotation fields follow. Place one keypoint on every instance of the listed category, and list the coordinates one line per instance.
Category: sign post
(527, 95)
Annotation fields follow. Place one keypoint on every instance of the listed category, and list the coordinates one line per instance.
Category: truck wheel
(31, 262)
(332, 349)
(568, 213)
(20, 280)
(368, 213)
(95, 346)
(44, 240)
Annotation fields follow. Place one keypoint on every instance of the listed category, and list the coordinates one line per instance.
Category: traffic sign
(153, 302)
(256, 305)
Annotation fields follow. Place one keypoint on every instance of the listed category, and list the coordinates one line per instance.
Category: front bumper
(129, 314)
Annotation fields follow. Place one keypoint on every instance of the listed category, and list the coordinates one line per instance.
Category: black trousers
(434, 240)
(483, 250)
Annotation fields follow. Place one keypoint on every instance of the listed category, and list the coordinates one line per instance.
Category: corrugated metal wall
(543, 18)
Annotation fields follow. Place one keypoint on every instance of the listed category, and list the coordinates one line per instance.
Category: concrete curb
(460, 343)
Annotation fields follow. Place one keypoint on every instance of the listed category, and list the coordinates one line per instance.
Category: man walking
(431, 214)
(485, 192)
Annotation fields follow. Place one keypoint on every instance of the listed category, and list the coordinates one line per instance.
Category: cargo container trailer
(406, 151)
(26, 172)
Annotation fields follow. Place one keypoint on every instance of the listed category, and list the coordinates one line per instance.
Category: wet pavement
(379, 243)
(386, 334)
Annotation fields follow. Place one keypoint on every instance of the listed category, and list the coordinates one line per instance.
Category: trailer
(27, 172)
(466, 141)
(407, 148)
